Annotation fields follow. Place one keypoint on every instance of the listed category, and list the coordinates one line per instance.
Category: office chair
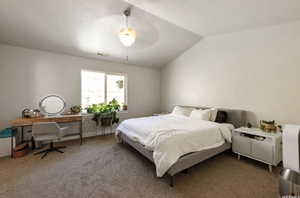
(49, 132)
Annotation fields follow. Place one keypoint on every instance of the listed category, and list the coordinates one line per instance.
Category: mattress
(184, 162)
(170, 136)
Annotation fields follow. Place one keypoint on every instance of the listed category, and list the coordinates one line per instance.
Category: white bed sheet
(171, 136)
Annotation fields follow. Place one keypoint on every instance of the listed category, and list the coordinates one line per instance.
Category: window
(115, 88)
(100, 87)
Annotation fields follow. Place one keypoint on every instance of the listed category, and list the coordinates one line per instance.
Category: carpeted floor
(103, 168)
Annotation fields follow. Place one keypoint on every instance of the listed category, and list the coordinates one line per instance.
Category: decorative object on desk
(36, 113)
(76, 109)
(20, 150)
(268, 126)
(106, 114)
(29, 113)
(26, 113)
(52, 105)
(249, 125)
(120, 84)
(124, 107)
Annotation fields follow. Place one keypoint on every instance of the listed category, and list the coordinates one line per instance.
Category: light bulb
(127, 36)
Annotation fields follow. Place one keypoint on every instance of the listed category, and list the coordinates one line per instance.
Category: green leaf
(103, 110)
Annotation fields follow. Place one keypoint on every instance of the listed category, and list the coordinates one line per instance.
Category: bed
(173, 163)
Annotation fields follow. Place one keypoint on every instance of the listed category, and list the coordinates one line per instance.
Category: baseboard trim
(85, 135)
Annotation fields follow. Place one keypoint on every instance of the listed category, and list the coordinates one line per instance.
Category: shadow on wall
(16, 85)
(252, 119)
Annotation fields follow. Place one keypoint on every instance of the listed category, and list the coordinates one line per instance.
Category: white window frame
(105, 84)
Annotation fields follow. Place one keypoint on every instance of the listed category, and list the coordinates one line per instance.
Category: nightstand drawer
(262, 150)
(241, 145)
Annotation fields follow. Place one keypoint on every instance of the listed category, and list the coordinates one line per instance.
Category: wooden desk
(23, 122)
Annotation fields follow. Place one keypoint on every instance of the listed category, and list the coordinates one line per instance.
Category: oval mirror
(52, 105)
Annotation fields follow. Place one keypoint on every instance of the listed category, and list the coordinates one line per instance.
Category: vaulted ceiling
(166, 28)
(211, 17)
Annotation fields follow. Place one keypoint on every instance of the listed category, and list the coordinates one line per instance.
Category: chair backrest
(45, 128)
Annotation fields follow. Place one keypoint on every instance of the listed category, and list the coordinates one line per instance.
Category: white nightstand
(257, 144)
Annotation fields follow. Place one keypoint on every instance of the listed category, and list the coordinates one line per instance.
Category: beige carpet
(103, 168)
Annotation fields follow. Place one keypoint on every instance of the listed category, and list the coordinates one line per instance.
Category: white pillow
(201, 114)
(182, 111)
(213, 114)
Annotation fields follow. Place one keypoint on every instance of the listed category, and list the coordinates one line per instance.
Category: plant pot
(20, 150)
(120, 84)
(106, 122)
(76, 109)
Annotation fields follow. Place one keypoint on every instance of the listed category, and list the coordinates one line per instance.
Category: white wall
(257, 70)
(28, 75)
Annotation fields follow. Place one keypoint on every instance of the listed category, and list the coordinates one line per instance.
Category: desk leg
(22, 134)
(81, 131)
(111, 124)
(12, 145)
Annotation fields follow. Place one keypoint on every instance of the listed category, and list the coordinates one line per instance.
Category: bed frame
(235, 117)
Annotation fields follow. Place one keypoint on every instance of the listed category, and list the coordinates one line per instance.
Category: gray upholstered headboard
(235, 117)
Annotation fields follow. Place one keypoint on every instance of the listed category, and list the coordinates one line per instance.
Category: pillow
(221, 117)
(182, 111)
(213, 114)
(201, 114)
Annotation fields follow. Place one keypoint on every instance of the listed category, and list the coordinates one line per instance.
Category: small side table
(258, 145)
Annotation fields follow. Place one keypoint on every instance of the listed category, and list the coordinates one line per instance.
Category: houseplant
(120, 84)
(76, 109)
(105, 113)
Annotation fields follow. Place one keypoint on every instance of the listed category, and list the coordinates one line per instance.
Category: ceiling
(166, 28)
(86, 27)
(211, 17)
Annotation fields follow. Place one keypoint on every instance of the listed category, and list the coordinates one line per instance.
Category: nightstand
(258, 145)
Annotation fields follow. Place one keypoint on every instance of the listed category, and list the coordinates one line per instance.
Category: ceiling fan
(127, 35)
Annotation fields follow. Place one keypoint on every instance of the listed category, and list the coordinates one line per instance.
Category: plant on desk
(106, 114)
(76, 109)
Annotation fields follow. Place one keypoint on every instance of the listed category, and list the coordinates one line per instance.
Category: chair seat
(47, 137)
(48, 132)
(64, 131)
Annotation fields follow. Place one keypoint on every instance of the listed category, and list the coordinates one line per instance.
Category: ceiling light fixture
(127, 35)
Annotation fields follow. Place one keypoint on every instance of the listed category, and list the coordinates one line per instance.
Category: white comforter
(170, 136)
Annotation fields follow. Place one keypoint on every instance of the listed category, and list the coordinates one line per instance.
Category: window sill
(123, 111)
(119, 112)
